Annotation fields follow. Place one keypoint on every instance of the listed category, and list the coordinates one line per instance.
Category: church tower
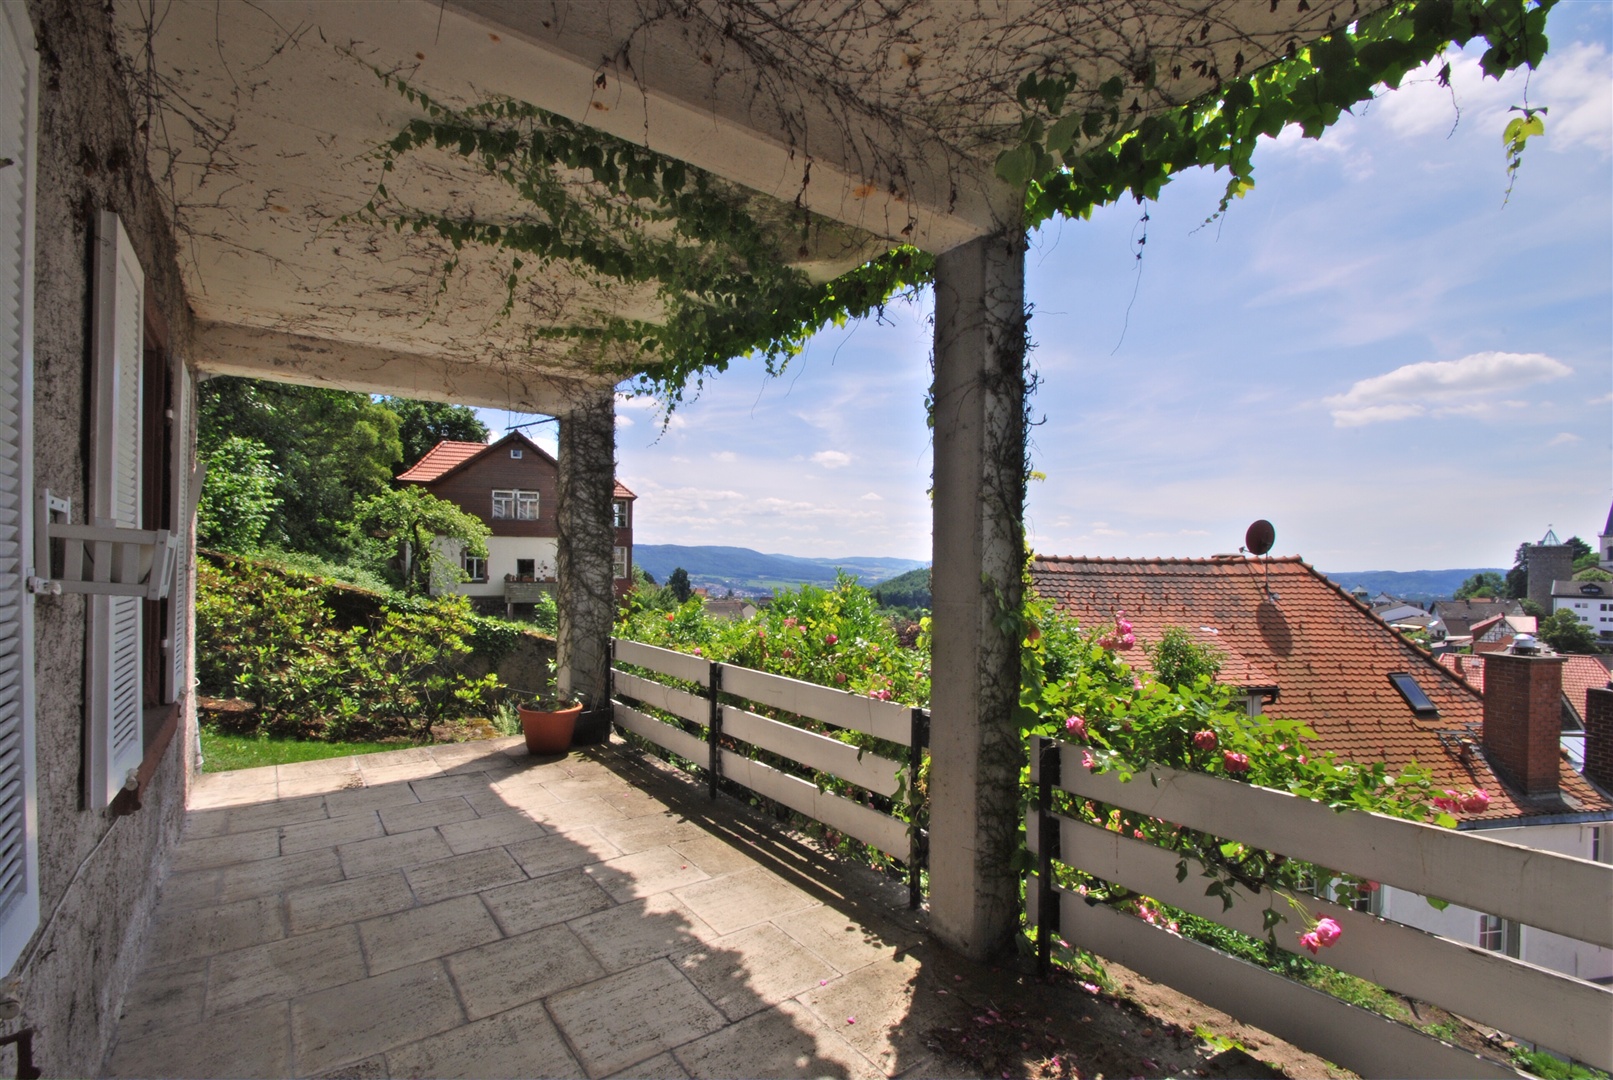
(1604, 543)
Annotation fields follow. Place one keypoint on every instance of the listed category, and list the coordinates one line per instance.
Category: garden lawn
(222, 753)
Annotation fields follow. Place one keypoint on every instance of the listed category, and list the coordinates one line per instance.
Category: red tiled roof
(444, 457)
(1580, 674)
(1329, 657)
(621, 492)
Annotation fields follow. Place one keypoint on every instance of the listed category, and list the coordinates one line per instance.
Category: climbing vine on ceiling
(729, 289)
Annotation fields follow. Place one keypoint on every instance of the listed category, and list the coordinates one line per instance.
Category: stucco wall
(97, 874)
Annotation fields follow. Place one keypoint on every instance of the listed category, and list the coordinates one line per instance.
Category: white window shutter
(184, 503)
(19, 851)
(116, 701)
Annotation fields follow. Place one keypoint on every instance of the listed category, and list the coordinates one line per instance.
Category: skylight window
(1420, 702)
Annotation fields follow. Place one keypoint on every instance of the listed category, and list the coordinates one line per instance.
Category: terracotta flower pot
(549, 731)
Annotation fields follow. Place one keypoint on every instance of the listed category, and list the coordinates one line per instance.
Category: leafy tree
(1518, 576)
(402, 530)
(331, 448)
(1530, 607)
(1564, 632)
(1581, 548)
(424, 424)
(677, 585)
(1181, 661)
(238, 497)
(642, 577)
(1593, 573)
(1487, 584)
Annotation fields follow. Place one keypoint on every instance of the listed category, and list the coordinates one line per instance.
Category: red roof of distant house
(1580, 674)
(449, 455)
(1329, 658)
(442, 458)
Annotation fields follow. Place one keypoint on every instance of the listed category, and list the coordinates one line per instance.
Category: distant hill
(1409, 584)
(909, 590)
(755, 573)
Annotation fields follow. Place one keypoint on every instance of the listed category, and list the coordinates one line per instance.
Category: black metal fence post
(1047, 841)
(918, 837)
(714, 728)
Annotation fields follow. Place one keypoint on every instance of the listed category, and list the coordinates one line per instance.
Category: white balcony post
(979, 540)
(584, 590)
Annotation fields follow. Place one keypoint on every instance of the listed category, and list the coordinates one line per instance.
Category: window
(619, 514)
(515, 452)
(1419, 701)
(1500, 935)
(1602, 843)
(526, 569)
(515, 504)
(475, 568)
(1367, 900)
(619, 561)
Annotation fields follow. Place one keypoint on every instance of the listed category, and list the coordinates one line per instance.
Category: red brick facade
(1599, 737)
(1523, 719)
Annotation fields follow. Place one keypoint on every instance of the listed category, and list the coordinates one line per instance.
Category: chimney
(1523, 719)
(1599, 737)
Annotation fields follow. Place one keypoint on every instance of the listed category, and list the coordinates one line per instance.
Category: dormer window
(1590, 588)
(1419, 701)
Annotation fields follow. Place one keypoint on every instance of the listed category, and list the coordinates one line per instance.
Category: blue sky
(1369, 350)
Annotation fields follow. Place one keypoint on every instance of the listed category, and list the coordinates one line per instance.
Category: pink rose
(1127, 640)
(697, 651)
(1235, 763)
(1204, 740)
(1122, 626)
(1311, 942)
(1076, 726)
(1087, 761)
(830, 639)
(1370, 886)
(789, 623)
(1475, 802)
(788, 654)
(1327, 932)
(840, 677)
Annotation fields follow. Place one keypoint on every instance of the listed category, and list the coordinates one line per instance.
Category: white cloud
(832, 459)
(873, 496)
(1564, 438)
(724, 455)
(1443, 387)
(624, 421)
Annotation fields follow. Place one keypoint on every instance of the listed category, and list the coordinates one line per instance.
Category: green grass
(222, 753)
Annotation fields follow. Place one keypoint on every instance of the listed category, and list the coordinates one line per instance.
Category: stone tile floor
(469, 910)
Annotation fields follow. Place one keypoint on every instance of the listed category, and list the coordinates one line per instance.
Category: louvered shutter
(184, 501)
(115, 736)
(19, 860)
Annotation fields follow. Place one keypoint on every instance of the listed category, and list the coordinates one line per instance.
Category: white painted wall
(502, 553)
(1538, 946)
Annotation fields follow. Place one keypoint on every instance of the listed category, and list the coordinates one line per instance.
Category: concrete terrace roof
(1329, 658)
(878, 126)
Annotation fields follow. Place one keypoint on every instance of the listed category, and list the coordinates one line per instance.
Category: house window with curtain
(618, 514)
(1500, 935)
(619, 561)
(514, 504)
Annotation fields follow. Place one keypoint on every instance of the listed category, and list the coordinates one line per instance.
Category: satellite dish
(1260, 537)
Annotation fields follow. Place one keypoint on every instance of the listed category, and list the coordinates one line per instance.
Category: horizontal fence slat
(882, 719)
(666, 661)
(1534, 1003)
(1554, 892)
(1361, 1041)
(660, 696)
(870, 826)
(865, 769)
(661, 734)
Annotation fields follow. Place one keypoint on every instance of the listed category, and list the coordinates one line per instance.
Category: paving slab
(209, 852)
(747, 971)
(321, 906)
(283, 969)
(891, 1014)
(329, 832)
(521, 1042)
(320, 783)
(426, 815)
(360, 1019)
(408, 937)
(522, 969)
(735, 901)
(392, 852)
(475, 871)
(269, 876)
(164, 998)
(271, 815)
(555, 898)
(644, 930)
(787, 1040)
(626, 1018)
(376, 796)
(562, 851)
(495, 830)
(645, 873)
(846, 942)
(252, 1043)
(188, 933)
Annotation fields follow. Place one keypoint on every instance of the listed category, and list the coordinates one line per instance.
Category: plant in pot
(548, 723)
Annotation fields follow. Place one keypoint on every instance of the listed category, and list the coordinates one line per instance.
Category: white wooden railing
(718, 719)
(1568, 896)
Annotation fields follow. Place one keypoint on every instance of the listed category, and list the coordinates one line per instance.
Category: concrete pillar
(584, 591)
(979, 550)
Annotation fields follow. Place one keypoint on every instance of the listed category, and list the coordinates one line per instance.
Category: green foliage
(223, 752)
(410, 536)
(1546, 1065)
(1081, 146)
(331, 449)
(424, 424)
(319, 666)
(1592, 573)
(238, 499)
(1488, 584)
(1563, 631)
(677, 586)
(1530, 607)
(910, 590)
(1581, 550)
(1180, 661)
